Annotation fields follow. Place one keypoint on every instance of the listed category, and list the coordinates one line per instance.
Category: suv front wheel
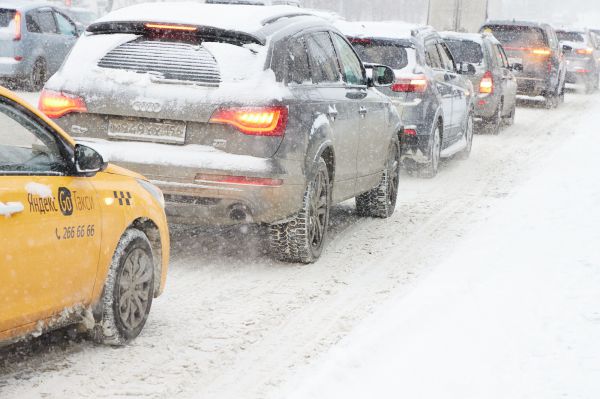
(301, 239)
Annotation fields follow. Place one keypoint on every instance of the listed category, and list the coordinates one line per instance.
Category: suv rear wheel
(38, 76)
(128, 292)
(429, 170)
(380, 202)
(302, 238)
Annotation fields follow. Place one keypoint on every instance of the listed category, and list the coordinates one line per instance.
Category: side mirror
(88, 161)
(466, 68)
(79, 29)
(567, 48)
(380, 75)
(516, 67)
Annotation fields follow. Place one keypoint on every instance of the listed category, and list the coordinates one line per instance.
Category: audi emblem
(146, 106)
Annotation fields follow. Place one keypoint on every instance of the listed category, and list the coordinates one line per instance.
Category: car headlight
(154, 191)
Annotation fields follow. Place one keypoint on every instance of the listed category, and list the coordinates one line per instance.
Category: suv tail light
(486, 86)
(57, 104)
(255, 121)
(541, 51)
(585, 51)
(17, 22)
(416, 84)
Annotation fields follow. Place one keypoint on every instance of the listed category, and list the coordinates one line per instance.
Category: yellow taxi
(81, 241)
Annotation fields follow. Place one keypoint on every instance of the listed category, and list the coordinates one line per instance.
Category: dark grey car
(494, 82)
(35, 38)
(239, 113)
(434, 99)
(533, 49)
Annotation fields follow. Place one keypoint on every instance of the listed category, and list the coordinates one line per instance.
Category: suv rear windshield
(465, 51)
(518, 36)
(6, 16)
(385, 53)
(569, 36)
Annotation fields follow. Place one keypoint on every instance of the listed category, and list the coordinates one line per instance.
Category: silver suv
(240, 114)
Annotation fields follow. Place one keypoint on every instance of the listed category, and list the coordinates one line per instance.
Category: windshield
(517, 36)
(385, 53)
(570, 36)
(466, 51)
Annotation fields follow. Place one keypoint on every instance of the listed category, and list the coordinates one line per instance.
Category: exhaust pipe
(240, 213)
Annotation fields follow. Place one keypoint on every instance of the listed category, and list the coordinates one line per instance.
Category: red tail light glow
(585, 51)
(541, 51)
(410, 132)
(416, 84)
(251, 181)
(267, 121)
(355, 40)
(17, 22)
(182, 28)
(486, 86)
(56, 104)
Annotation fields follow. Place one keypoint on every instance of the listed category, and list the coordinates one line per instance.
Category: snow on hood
(242, 18)
(386, 29)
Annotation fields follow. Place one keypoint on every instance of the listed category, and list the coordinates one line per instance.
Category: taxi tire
(110, 328)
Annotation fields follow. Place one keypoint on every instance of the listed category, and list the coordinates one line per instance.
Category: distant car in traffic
(536, 55)
(494, 82)
(294, 3)
(582, 50)
(433, 97)
(35, 38)
(83, 242)
(240, 114)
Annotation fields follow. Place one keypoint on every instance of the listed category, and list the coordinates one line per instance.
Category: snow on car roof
(371, 29)
(242, 18)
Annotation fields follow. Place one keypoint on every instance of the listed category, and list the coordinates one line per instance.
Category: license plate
(164, 132)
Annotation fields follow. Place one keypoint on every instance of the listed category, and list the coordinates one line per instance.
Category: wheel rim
(435, 156)
(38, 75)
(394, 176)
(318, 211)
(134, 289)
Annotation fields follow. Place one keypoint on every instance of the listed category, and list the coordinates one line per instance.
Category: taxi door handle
(10, 208)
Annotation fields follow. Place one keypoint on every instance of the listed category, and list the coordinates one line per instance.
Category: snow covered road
(235, 324)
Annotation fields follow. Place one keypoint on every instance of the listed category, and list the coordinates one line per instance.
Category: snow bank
(514, 312)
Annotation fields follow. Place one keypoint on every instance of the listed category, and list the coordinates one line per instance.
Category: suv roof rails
(276, 18)
(421, 29)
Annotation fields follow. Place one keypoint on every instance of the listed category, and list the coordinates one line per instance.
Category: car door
(441, 80)
(49, 38)
(49, 224)
(373, 140)
(67, 36)
(460, 93)
(342, 113)
(508, 81)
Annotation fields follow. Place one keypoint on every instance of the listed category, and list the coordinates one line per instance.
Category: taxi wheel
(128, 291)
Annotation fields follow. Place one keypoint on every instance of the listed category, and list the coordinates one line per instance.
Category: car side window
(46, 21)
(31, 21)
(446, 57)
(65, 27)
(26, 147)
(297, 66)
(432, 57)
(352, 68)
(323, 60)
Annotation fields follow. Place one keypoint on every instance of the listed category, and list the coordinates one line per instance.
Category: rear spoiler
(206, 33)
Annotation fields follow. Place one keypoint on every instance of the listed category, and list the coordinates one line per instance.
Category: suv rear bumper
(193, 180)
(532, 86)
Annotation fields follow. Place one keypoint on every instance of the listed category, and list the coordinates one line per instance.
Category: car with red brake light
(240, 114)
(536, 55)
(494, 81)
(431, 92)
(582, 51)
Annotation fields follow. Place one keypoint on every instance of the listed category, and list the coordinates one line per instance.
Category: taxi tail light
(255, 121)
(171, 27)
(17, 21)
(486, 86)
(585, 51)
(416, 84)
(57, 104)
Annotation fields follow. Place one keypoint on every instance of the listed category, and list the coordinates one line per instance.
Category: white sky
(571, 12)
